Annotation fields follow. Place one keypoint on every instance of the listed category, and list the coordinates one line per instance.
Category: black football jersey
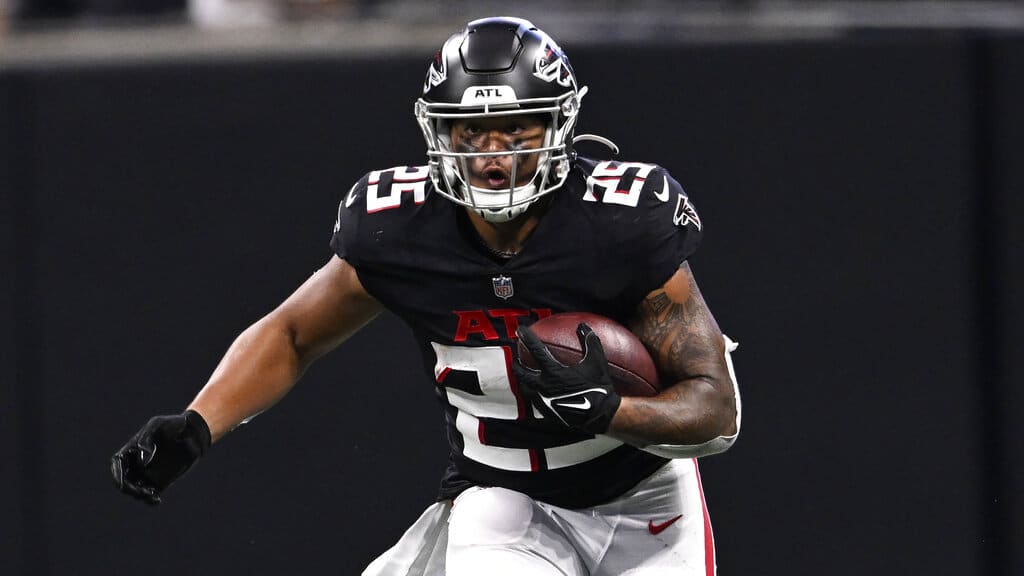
(612, 233)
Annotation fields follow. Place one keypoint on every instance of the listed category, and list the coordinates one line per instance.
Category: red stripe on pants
(709, 537)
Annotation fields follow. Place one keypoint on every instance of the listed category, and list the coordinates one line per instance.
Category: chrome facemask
(449, 170)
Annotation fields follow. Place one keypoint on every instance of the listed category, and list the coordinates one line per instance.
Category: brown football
(631, 367)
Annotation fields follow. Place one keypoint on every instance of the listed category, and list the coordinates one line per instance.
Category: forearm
(688, 413)
(259, 368)
(698, 416)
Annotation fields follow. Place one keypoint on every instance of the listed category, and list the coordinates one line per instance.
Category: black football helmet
(497, 67)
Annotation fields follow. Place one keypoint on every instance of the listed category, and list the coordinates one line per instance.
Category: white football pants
(661, 526)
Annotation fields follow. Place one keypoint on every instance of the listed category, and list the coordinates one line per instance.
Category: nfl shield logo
(502, 287)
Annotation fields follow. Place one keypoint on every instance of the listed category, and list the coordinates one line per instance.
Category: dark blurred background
(169, 172)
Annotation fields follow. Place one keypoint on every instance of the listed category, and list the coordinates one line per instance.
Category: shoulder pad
(377, 198)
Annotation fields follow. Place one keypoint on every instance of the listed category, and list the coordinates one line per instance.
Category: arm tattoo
(658, 303)
(679, 331)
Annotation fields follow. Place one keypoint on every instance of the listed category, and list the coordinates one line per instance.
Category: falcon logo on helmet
(550, 66)
(437, 73)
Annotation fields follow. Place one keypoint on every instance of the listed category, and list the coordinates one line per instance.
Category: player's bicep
(675, 325)
(326, 309)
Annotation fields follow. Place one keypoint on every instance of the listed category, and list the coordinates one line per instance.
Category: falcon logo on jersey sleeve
(685, 213)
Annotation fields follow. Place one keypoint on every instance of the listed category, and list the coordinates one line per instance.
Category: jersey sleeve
(672, 226)
(351, 206)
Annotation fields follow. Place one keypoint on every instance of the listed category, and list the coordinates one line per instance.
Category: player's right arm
(259, 368)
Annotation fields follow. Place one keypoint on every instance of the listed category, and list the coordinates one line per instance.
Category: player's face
(499, 134)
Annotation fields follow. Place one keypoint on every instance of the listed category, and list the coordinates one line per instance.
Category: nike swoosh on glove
(580, 396)
(158, 454)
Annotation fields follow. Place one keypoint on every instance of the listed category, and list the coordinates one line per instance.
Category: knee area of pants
(489, 516)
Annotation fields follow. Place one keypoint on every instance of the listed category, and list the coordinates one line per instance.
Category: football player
(550, 470)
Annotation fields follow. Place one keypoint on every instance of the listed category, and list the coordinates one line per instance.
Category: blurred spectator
(7, 8)
(231, 13)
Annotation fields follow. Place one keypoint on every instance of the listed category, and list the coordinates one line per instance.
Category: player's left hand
(580, 396)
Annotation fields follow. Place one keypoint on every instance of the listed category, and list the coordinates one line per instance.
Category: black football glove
(163, 450)
(579, 396)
